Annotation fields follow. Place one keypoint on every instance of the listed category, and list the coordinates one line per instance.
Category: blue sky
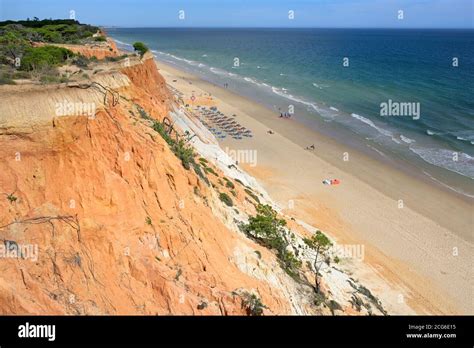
(250, 13)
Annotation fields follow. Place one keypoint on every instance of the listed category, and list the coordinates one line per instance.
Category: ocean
(405, 94)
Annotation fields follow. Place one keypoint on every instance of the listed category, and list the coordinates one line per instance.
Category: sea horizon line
(295, 28)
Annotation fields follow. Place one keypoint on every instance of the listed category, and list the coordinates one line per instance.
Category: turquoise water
(304, 68)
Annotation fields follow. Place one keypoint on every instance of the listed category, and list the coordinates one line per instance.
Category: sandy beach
(415, 236)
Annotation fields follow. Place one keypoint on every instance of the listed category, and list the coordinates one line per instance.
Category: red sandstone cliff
(121, 227)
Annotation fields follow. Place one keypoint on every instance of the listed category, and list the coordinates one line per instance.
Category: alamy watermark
(393, 108)
(28, 330)
(67, 108)
(243, 156)
(348, 251)
(12, 250)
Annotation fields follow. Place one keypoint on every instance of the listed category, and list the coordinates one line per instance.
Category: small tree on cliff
(12, 46)
(321, 244)
(140, 47)
(270, 231)
(253, 304)
(267, 228)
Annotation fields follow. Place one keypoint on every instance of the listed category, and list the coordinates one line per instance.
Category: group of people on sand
(311, 147)
(285, 115)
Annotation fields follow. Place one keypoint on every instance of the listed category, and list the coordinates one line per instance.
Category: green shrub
(140, 47)
(229, 183)
(80, 61)
(180, 148)
(224, 197)
(100, 38)
(253, 304)
(16, 39)
(373, 299)
(290, 263)
(178, 274)
(319, 298)
(158, 127)
(86, 33)
(184, 152)
(202, 306)
(43, 57)
(48, 79)
(356, 302)
(198, 171)
(50, 30)
(253, 195)
(333, 306)
(21, 75)
(318, 241)
(268, 230)
(210, 170)
(6, 80)
(144, 115)
(116, 58)
(12, 198)
(48, 35)
(12, 46)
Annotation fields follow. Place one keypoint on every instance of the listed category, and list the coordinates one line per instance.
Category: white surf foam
(372, 125)
(122, 43)
(458, 162)
(319, 86)
(406, 139)
(467, 136)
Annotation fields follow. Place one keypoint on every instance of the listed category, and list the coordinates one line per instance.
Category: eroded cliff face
(100, 50)
(120, 226)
